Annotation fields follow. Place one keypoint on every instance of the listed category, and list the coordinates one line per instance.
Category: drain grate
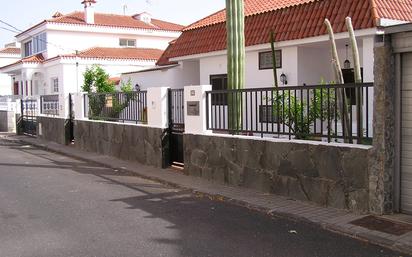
(383, 225)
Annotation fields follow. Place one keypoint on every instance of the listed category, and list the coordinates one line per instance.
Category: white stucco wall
(71, 76)
(255, 78)
(187, 73)
(65, 42)
(6, 82)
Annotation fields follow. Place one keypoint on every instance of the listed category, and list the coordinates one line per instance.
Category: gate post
(157, 109)
(196, 107)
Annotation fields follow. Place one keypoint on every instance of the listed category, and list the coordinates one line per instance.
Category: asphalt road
(52, 205)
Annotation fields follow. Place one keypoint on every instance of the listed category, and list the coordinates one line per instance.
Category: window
(28, 49)
(36, 45)
(127, 42)
(219, 82)
(266, 114)
(266, 60)
(55, 85)
(39, 43)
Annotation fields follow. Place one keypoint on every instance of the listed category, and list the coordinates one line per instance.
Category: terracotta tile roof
(115, 80)
(393, 9)
(251, 8)
(38, 58)
(115, 20)
(148, 54)
(164, 60)
(302, 19)
(10, 50)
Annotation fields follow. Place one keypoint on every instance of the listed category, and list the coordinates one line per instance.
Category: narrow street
(52, 205)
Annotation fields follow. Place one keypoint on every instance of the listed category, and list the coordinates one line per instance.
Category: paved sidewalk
(328, 218)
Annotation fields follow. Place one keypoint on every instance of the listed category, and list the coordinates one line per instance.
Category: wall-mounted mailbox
(193, 108)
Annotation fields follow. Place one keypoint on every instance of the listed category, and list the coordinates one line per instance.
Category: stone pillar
(382, 155)
(157, 109)
(63, 106)
(195, 97)
(79, 108)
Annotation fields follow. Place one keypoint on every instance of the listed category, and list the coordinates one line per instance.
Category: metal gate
(29, 116)
(71, 119)
(176, 126)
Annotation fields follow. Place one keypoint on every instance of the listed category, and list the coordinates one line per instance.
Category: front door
(176, 127)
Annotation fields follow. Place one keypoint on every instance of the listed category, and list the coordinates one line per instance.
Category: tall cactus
(341, 101)
(235, 23)
(272, 45)
(358, 76)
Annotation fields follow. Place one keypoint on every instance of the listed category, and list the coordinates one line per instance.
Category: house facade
(302, 44)
(56, 52)
(8, 55)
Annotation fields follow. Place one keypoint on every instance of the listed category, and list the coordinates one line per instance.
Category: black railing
(49, 105)
(117, 107)
(29, 116)
(315, 112)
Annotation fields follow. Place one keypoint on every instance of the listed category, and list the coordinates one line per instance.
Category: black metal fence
(49, 105)
(29, 116)
(338, 113)
(176, 109)
(117, 107)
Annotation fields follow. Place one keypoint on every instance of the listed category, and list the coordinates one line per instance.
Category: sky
(23, 14)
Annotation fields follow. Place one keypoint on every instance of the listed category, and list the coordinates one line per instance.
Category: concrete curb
(343, 228)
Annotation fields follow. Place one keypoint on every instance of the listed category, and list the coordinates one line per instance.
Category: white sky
(25, 13)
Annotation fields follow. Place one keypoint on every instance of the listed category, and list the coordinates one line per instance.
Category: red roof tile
(115, 20)
(251, 8)
(10, 50)
(148, 54)
(289, 19)
(38, 58)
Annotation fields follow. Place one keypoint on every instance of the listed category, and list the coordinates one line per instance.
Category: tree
(104, 101)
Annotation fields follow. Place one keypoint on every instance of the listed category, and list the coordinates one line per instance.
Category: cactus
(272, 45)
(339, 79)
(358, 76)
(235, 24)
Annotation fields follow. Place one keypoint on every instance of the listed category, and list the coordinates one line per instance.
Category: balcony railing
(333, 113)
(49, 105)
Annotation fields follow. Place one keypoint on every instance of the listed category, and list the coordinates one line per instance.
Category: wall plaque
(193, 108)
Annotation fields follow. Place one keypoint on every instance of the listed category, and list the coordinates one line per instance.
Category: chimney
(57, 15)
(89, 11)
(144, 16)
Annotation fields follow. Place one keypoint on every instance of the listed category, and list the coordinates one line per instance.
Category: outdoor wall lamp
(346, 64)
(283, 79)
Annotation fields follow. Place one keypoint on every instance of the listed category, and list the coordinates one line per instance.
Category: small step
(178, 165)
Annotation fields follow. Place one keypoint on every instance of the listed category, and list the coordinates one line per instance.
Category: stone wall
(7, 121)
(382, 156)
(53, 129)
(329, 175)
(125, 141)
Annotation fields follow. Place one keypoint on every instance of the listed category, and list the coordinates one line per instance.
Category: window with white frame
(266, 60)
(55, 85)
(127, 42)
(39, 43)
(28, 50)
(36, 45)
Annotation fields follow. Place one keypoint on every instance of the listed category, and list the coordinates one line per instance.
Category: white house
(56, 52)
(8, 55)
(302, 45)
